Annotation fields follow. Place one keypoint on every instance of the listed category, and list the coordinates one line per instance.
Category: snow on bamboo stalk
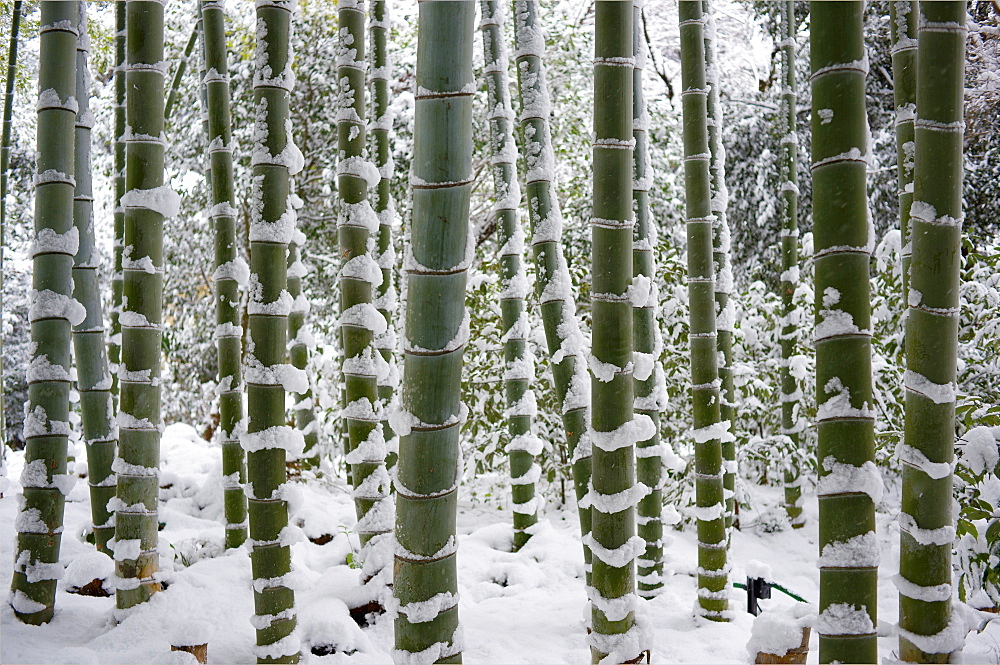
(849, 483)
(380, 149)
(147, 201)
(267, 439)
(725, 313)
(93, 377)
(930, 629)
(519, 363)
(615, 429)
(115, 340)
(231, 270)
(39, 522)
(360, 322)
(436, 332)
(649, 386)
(792, 422)
(553, 286)
(300, 341)
(709, 430)
(903, 29)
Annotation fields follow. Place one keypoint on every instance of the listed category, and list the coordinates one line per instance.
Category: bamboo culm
(231, 270)
(360, 322)
(849, 483)
(52, 311)
(792, 421)
(268, 440)
(380, 148)
(436, 332)
(566, 346)
(649, 382)
(93, 376)
(115, 340)
(903, 31)
(182, 65)
(927, 532)
(519, 365)
(300, 340)
(709, 431)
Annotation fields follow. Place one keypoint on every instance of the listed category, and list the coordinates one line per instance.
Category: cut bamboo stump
(796, 655)
(199, 651)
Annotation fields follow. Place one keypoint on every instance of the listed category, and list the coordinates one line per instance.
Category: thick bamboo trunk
(926, 622)
(385, 208)
(849, 483)
(147, 201)
(268, 439)
(115, 340)
(903, 27)
(725, 313)
(519, 370)
(93, 376)
(231, 270)
(713, 595)
(565, 343)
(792, 422)
(649, 386)
(39, 522)
(436, 334)
(360, 322)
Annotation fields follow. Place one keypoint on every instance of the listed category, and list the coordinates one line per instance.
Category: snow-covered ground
(526, 607)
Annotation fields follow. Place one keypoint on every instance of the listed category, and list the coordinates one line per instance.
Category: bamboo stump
(199, 651)
(782, 636)
(796, 655)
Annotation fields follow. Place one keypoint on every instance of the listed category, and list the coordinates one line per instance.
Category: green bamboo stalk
(713, 598)
(147, 201)
(39, 522)
(903, 27)
(725, 313)
(231, 271)
(300, 341)
(436, 333)
(849, 483)
(563, 338)
(268, 439)
(792, 422)
(649, 384)
(926, 535)
(519, 372)
(615, 428)
(358, 228)
(181, 68)
(93, 376)
(115, 340)
(8, 111)
(385, 208)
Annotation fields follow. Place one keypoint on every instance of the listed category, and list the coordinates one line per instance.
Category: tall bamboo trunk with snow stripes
(8, 110)
(792, 422)
(93, 377)
(268, 440)
(926, 524)
(648, 377)
(566, 346)
(903, 27)
(436, 333)
(849, 483)
(713, 595)
(380, 149)
(725, 313)
(519, 364)
(118, 229)
(147, 201)
(231, 270)
(360, 322)
(300, 340)
(52, 311)
(615, 429)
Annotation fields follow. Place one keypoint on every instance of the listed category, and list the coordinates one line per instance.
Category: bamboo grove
(401, 358)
